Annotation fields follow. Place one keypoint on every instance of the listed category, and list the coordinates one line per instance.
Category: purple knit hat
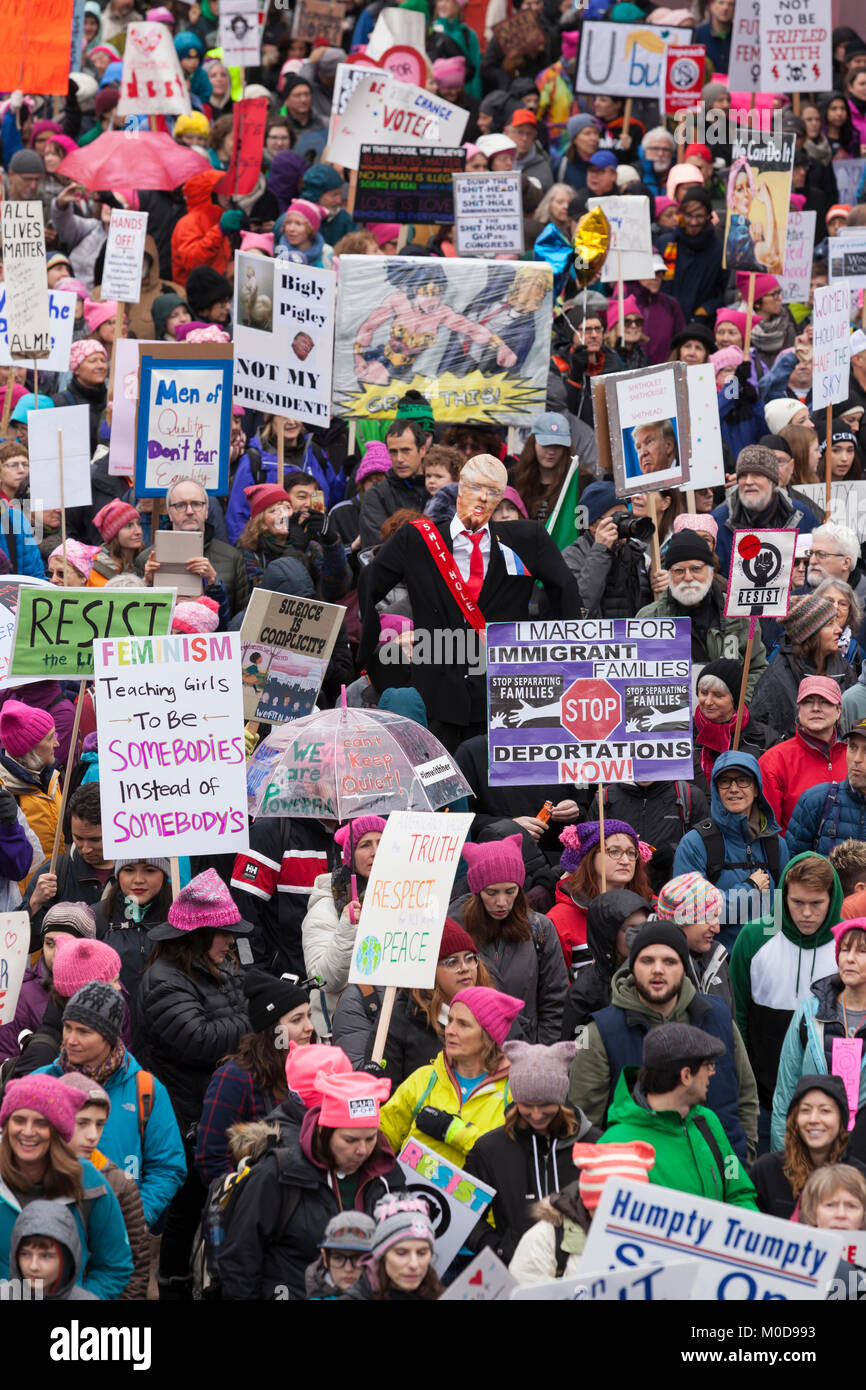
(349, 834)
(79, 961)
(204, 903)
(492, 1009)
(580, 839)
(48, 1096)
(22, 727)
(496, 861)
(376, 460)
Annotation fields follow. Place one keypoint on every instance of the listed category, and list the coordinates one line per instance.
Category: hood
(626, 1109)
(41, 694)
(380, 1163)
(55, 1220)
(834, 911)
(197, 190)
(288, 575)
(442, 506)
(624, 994)
(406, 701)
(252, 1140)
(604, 918)
(728, 820)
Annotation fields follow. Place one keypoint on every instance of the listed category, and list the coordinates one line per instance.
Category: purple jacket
(48, 695)
(31, 1007)
(662, 319)
(16, 851)
(858, 121)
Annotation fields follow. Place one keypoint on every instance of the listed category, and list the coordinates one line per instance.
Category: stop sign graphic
(591, 709)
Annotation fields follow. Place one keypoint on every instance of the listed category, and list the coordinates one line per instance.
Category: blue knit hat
(598, 499)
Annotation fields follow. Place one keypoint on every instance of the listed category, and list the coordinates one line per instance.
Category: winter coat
(530, 970)
(825, 815)
(853, 704)
(17, 542)
(741, 423)
(591, 988)
(233, 1097)
(654, 811)
(808, 1050)
(49, 696)
(744, 847)
(483, 1110)
(773, 1189)
(612, 583)
(105, 1252)
(52, 1219)
(159, 1162)
(355, 1019)
(781, 514)
(197, 238)
(76, 883)
(523, 1167)
(38, 795)
(725, 637)
(28, 1012)
(229, 565)
(385, 497)
(310, 458)
(685, 1160)
(732, 1092)
(125, 1189)
(788, 769)
(83, 237)
(695, 277)
(131, 942)
(663, 318)
(411, 1042)
(774, 702)
(492, 804)
(254, 1265)
(569, 918)
(190, 1022)
(534, 1260)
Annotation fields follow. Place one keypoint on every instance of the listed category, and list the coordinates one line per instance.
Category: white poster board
(121, 445)
(847, 503)
(630, 254)
(46, 430)
(799, 247)
(28, 322)
(744, 67)
(239, 33)
(762, 565)
(124, 256)
(172, 764)
(456, 1200)
(14, 948)
(152, 83)
(61, 322)
(642, 1284)
(346, 80)
(847, 258)
(484, 1280)
(796, 47)
(488, 214)
(407, 897)
(10, 584)
(625, 60)
(382, 110)
(396, 26)
(705, 441)
(831, 344)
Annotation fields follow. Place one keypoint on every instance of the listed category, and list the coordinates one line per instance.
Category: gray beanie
(143, 859)
(538, 1075)
(75, 919)
(97, 1006)
(349, 1230)
(400, 1216)
(755, 458)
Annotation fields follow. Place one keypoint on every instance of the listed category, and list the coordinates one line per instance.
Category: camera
(632, 528)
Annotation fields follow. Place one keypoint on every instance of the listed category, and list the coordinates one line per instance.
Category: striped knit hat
(687, 899)
(598, 1162)
(806, 616)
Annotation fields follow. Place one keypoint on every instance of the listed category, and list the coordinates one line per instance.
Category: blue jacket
(106, 1256)
(845, 818)
(238, 509)
(738, 434)
(161, 1168)
(22, 550)
(820, 1019)
(718, 46)
(782, 514)
(743, 854)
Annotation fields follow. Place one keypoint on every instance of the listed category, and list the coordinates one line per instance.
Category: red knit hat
(264, 495)
(629, 1162)
(22, 727)
(454, 939)
(113, 517)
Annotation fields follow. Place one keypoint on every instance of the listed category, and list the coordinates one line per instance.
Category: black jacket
(492, 804)
(653, 811)
(411, 1042)
(774, 703)
(592, 989)
(103, 489)
(389, 495)
(774, 1193)
(698, 282)
(230, 568)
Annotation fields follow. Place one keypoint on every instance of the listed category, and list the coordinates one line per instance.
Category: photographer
(608, 559)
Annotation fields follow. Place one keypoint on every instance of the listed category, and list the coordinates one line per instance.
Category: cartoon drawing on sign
(511, 320)
(256, 295)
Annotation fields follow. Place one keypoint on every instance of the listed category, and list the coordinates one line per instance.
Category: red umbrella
(141, 159)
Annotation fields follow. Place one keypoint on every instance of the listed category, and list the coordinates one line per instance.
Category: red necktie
(476, 565)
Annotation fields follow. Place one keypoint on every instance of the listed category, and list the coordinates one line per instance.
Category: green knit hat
(414, 406)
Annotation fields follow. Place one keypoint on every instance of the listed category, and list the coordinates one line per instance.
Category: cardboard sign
(239, 33)
(641, 1284)
(519, 36)
(28, 324)
(831, 345)
(800, 244)
(286, 644)
(14, 950)
(61, 322)
(406, 901)
(706, 458)
(630, 255)
(762, 565)
(396, 184)
(250, 118)
(385, 111)
(36, 46)
(10, 588)
(173, 549)
(456, 1200)
(848, 174)
(648, 428)
(319, 20)
(757, 203)
(55, 629)
(68, 425)
(283, 337)
(625, 60)
(847, 258)
(183, 421)
(684, 76)
(741, 1254)
(744, 68)
(124, 256)
(488, 214)
(796, 47)
(484, 1280)
(153, 83)
(600, 700)
(396, 26)
(172, 765)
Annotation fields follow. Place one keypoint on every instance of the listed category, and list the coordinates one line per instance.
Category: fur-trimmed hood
(252, 1139)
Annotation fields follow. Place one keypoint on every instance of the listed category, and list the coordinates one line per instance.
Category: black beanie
(270, 998)
(832, 1086)
(696, 193)
(687, 545)
(730, 673)
(204, 287)
(660, 934)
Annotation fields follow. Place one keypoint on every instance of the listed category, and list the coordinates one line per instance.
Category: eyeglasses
(453, 962)
(591, 328)
(726, 783)
(340, 1258)
(826, 555)
(620, 853)
(187, 506)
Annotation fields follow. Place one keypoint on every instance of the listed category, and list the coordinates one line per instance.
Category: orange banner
(35, 55)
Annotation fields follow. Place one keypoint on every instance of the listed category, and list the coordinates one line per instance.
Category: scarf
(714, 739)
(101, 1071)
(133, 910)
(819, 149)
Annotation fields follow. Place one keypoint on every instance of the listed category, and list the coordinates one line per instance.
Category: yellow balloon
(591, 242)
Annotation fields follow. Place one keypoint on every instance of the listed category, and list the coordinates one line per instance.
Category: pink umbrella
(132, 159)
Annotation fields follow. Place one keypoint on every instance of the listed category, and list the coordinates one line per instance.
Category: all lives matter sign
(605, 700)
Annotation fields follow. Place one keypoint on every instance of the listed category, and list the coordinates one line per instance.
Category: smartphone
(317, 502)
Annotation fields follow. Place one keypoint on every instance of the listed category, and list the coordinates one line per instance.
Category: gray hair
(713, 683)
(658, 132)
(855, 607)
(177, 482)
(844, 537)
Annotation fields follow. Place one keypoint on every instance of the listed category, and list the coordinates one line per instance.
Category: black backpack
(219, 1209)
(714, 844)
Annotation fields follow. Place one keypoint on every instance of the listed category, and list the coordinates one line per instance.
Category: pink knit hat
(79, 961)
(841, 928)
(597, 1162)
(83, 349)
(199, 615)
(98, 311)
(662, 203)
(629, 306)
(725, 358)
(211, 334)
(764, 284)
(112, 518)
(496, 861)
(450, 72)
(48, 1096)
(69, 283)
(381, 232)
(351, 1100)
(376, 460)
(204, 903)
(350, 834)
(689, 898)
(738, 318)
(79, 555)
(512, 495)
(305, 1064)
(22, 727)
(494, 1011)
(311, 212)
(701, 521)
(258, 241)
(679, 176)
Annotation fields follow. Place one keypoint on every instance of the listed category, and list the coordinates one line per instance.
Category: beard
(691, 592)
(814, 577)
(656, 999)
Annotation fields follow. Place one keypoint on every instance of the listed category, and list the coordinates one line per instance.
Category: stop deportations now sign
(605, 700)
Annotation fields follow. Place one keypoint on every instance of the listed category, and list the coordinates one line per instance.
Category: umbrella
(143, 159)
(341, 763)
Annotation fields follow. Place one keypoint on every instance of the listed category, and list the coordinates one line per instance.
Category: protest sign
(605, 700)
(640, 1284)
(14, 948)
(847, 258)
(396, 26)
(34, 56)
(10, 587)
(456, 1201)
(121, 446)
(757, 203)
(396, 184)
(55, 629)
(848, 174)
(706, 459)
(28, 320)
(405, 63)
(76, 41)
(286, 644)
(173, 550)
(407, 896)
(317, 20)
(484, 1280)
(470, 335)
(124, 256)
(64, 430)
(684, 76)
(239, 33)
(183, 420)
(172, 769)
(520, 36)
(740, 1254)
(847, 503)
(283, 337)
(383, 110)
(744, 65)
(647, 428)
(796, 281)
(152, 83)
(796, 47)
(831, 344)
(61, 323)
(625, 60)
(488, 214)
(762, 565)
(630, 253)
(349, 75)
(250, 119)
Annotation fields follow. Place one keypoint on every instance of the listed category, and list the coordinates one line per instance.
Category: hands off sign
(762, 563)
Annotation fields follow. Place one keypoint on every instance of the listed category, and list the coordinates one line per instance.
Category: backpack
(144, 1092)
(714, 844)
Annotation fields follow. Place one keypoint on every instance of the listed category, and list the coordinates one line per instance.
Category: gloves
(748, 395)
(231, 220)
(16, 101)
(439, 1124)
(298, 534)
(314, 525)
(8, 808)
(372, 1068)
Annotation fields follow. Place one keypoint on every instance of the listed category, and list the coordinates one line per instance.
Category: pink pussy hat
(351, 1100)
(493, 1010)
(305, 1064)
(204, 903)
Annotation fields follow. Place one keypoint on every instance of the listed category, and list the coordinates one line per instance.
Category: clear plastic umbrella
(346, 762)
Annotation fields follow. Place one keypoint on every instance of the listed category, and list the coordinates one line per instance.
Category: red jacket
(792, 767)
(569, 918)
(197, 239)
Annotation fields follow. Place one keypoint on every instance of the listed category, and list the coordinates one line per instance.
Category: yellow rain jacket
(483, 1110)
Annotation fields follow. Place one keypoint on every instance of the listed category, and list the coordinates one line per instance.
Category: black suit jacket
(449, 692)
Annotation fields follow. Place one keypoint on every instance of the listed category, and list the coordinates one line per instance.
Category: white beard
(690, 593)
